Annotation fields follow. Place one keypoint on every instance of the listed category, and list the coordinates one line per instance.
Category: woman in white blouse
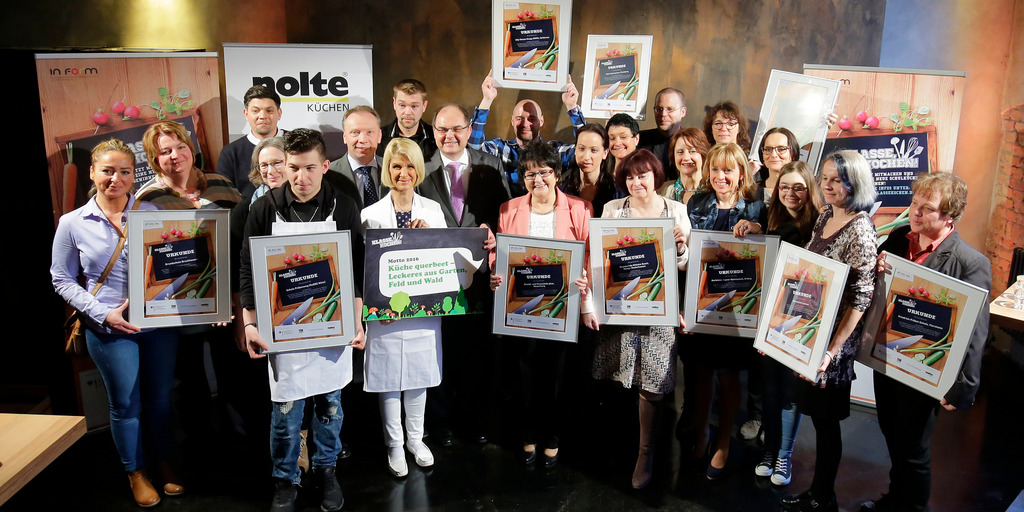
(403, 357)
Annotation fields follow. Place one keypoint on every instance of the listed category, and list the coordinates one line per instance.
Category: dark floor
(976, 459)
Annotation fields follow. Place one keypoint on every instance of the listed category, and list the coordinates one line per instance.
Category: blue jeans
(138, 372)
(285, 425)
(781, 419)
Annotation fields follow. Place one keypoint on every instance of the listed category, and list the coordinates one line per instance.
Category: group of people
(444, 174)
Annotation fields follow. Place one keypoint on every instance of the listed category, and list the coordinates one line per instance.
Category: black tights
(829, 451)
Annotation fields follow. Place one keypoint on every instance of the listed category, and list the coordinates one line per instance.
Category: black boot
(331, 491)
(284, 496)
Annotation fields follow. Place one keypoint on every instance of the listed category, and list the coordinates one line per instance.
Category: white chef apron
(304, 373)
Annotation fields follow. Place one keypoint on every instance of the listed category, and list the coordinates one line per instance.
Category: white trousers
(415, 401)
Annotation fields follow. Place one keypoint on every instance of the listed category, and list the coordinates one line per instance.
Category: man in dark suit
(470, 189)
(669, 111)
(480, 183)
(360, 167)
(905, 415)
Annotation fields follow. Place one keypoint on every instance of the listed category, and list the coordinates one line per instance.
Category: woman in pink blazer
(547, 212)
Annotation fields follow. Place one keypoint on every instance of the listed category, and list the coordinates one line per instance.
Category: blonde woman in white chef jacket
(403, 357)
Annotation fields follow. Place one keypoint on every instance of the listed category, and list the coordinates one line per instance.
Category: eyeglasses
(781, 150)
(718, 125)
(795, 188)
(665, 110)
(538, 174)
(453, 129)
(277, 164)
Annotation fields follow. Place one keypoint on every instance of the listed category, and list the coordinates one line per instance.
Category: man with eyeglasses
(410, 102)
(669, 111)
(527, 121)
(470, 188)
(262, 110)
(360, 167)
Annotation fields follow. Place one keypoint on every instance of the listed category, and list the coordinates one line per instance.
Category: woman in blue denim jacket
(725, 197)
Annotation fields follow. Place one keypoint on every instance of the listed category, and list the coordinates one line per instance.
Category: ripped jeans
(285, 424)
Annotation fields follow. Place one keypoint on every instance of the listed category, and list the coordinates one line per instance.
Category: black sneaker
(284, 496)
(782, 474)
(330, 489)
(764, 468)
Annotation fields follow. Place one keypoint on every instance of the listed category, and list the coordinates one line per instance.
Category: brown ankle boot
(143, 491)
(172, 484)
(645, 458)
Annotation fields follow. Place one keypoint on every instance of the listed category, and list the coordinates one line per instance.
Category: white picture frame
(607, 64)
(175, 252)
(801, 103)
(283, 306)
(916, 305)
(805, 291)
(522, 33)
(531, 310)
(633, 271)
(720, 267)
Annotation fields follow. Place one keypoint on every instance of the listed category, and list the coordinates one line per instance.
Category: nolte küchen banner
(903, 121)
(87, 98)
(317, 84)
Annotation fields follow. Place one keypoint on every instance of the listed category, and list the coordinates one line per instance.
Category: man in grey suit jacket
(906, 416)
(469, 353)
(484, 185)
(360, 168)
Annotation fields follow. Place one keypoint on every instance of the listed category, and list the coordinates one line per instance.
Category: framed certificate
(922, 321)
(634, 272)
(530, 44)
(615, 78)
(803, 297)
(801, 103)
(414, 273)
(724, 283)
(173, 258)
(537, 297)
(304, 290)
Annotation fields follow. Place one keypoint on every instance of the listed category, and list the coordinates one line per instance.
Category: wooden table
(30, 442)
(1003, 313)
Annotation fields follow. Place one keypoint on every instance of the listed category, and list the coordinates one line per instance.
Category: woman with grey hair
(845, 233)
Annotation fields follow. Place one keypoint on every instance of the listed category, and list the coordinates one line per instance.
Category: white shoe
(396, 461)
(424, 458)
(750, 429)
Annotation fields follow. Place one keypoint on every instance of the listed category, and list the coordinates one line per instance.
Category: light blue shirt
(83, 245)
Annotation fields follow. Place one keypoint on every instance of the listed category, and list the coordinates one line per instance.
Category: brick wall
(1006, 228)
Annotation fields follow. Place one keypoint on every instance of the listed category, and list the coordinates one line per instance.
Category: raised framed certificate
(615, 78)
(725, 281)
(173, 258)
(530, 44)
(537, 297)
(634, 271)
(802, 104)
(922, 321)
(803, 296)
(414, 273)
(304, 292)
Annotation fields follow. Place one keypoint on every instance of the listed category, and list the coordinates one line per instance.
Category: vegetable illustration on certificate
(730, 283)
(304, 291)
(616, 75)
(180, 267)
(530, 43)
(538, 288)
(796, 320)
(634, 273)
